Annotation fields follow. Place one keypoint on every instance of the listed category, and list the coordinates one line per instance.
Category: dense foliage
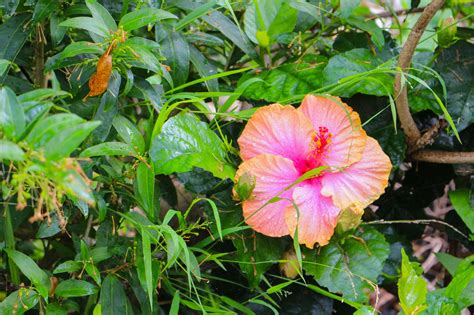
(119, 123)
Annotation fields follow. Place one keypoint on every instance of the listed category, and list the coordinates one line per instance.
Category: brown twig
(415, 139)
(443, 157)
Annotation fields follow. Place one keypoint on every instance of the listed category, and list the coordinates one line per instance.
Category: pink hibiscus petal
(276, 129)
(347, 136)
(362, 182)
(273, 174)
(315, 215)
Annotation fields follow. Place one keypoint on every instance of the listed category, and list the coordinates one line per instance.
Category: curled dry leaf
(99, 81)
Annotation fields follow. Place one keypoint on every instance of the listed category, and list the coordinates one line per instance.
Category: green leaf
(38, 95)
(370, 27)
(195, 14)
(109, 149)
(460, 199)
(412, 288)
(456, 67)
(81, 47)
(256, 254)
(74, 288)
(348, 267)
(136, 19)
(70, 139)
(450, 262)
(86, 23)
(204, 68)
(30, 269)
(43, 9)
(347, 6)
(48, 128)
(12, 116)
(356, 62)
(20, 301)
(68, 266)
(13, 35)
(285, 81)
(176, 50)
(186, 142)
(231, 31)
(174, 309)
(284, 21)
(113, 299)
(10, 151)
(146, 188)
(147, 259)
(56, 309)
(4, 65)
(99, 13)
(129, 133)
(461, 288)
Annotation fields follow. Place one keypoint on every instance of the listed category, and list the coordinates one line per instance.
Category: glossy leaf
(86, 23)
(99, 13)
(129, 133)
(43, 9)
(68, 266)
(285, 81)
(109, 149)
(348, 267)
(412, 288)
(146, 188)
(80, 47)
(357, 62)
(176, 50)
(31, 270)
(74, 288)
(186, 142)
(136, 19)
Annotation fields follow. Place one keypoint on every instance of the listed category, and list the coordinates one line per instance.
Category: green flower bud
(244, 187)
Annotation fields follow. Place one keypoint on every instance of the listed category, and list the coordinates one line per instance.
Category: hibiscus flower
(281, 143)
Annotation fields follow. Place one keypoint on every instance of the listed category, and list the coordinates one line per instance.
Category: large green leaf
(357, 62)
(286, 81)
(13, 35)
(186, 142)
(113, 299)
(204, 67)
(99, 13)
(347, 267)
(30, 269)
(231, 31)
(73, 288)
(12, 116)
(86, 23)
(81, 47)
(136, 19)
(257, 253)
(412, 288)
(176, 50)
(278, 17)
(70, 139)
(49, 127)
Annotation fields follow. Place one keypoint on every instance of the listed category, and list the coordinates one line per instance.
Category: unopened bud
(244, 187)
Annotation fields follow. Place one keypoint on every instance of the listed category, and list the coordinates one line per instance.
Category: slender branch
(404, 60)
(415, 139)
(443, 157)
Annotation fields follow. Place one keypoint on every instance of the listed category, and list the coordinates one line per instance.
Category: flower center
(319, 147)
(320, 142)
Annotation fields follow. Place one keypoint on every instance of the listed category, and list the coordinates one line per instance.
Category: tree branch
(404, 60)
(443, 157)
(415, 139)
